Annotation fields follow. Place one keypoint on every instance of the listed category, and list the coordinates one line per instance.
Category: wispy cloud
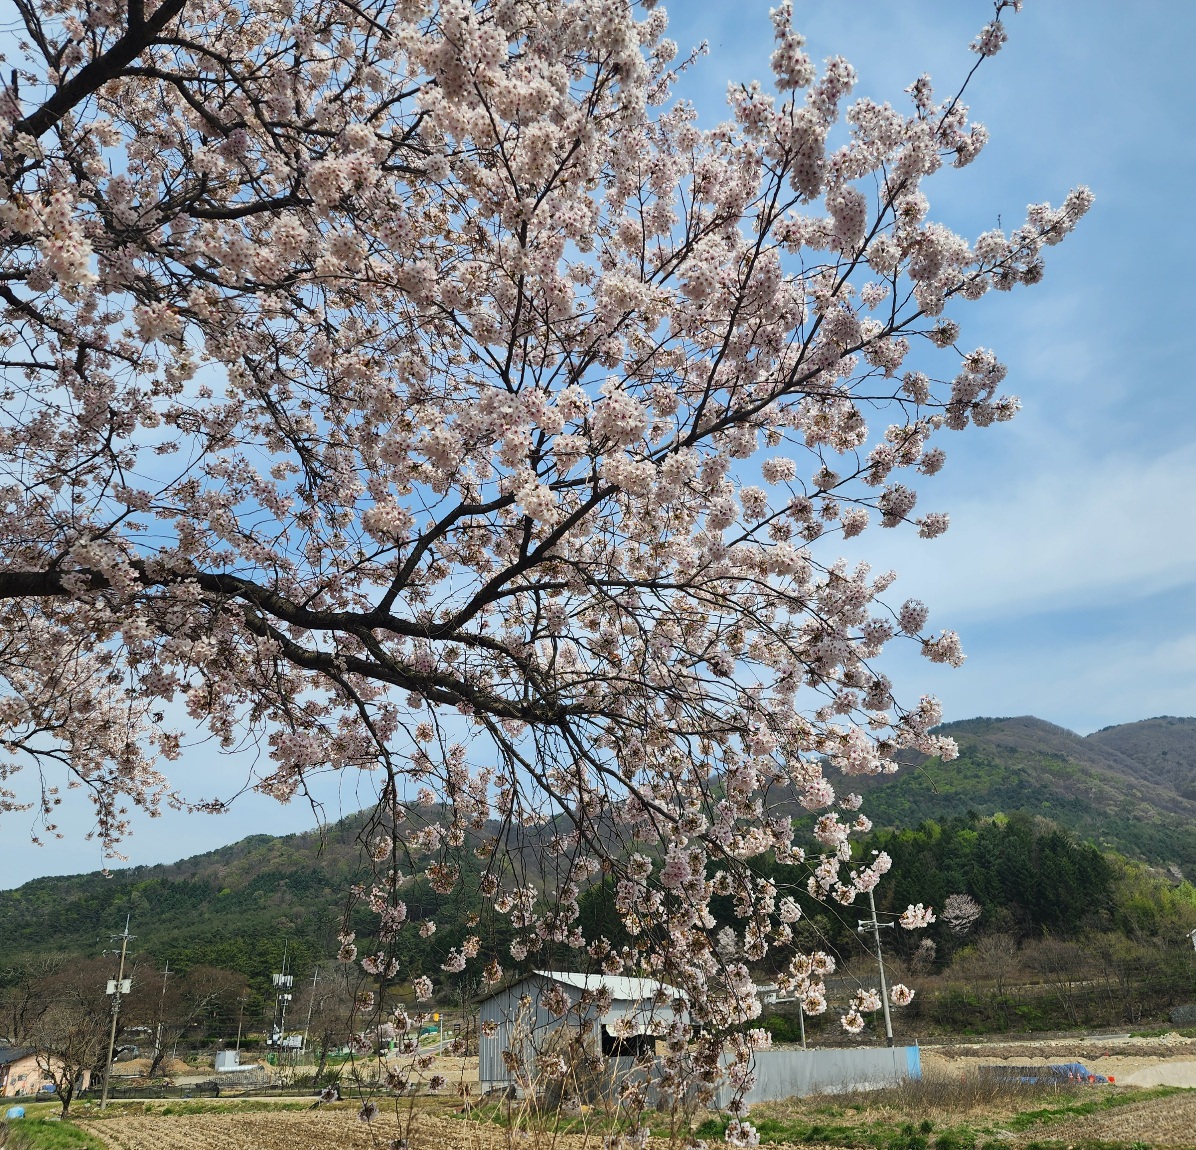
(1080, 530)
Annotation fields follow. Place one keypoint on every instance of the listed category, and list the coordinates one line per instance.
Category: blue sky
(1070, 566)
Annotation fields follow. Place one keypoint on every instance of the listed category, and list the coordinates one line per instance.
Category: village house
(20, 1073)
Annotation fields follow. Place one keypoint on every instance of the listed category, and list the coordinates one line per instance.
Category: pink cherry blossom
(916, 917)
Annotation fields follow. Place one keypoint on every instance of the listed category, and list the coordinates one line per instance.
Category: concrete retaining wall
(786, 1073)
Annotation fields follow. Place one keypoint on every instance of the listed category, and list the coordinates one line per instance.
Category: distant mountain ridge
(1129, 788)
(1164, 748)
(234, 907)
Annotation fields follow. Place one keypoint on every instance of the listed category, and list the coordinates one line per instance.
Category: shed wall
(503, 1009)
(779, 1073)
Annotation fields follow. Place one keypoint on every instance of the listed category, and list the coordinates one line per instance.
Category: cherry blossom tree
(960, 912)
(413, 387)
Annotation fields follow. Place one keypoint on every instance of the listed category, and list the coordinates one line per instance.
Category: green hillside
(233, 907)
(1124, 788)
(1164, 749)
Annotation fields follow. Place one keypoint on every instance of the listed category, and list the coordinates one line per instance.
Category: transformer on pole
(117, 987)
(874, 926)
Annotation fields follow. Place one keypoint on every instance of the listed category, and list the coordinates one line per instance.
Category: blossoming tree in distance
(413, 387)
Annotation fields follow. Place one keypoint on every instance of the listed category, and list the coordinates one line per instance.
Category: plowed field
(1163, 1122)
(337, 1130)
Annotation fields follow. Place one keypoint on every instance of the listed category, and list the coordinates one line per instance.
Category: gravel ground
(1164, 1074)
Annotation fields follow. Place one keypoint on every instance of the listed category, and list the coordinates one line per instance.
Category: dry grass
(947, 1113)
(939, 1112)
(938, 1095)
(1156, 1122)
(135, 1067)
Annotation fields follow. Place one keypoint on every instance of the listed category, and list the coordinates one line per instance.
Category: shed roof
(622, 988)
(11, 1054)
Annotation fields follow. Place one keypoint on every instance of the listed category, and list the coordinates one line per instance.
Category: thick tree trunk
(155, 1065)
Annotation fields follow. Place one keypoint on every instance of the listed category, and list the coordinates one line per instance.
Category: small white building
(229, 1062)
(520, 1022)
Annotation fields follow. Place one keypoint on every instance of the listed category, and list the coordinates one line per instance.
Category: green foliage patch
(44, 1133)
(832, 1125)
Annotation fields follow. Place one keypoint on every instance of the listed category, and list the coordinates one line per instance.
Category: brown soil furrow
(1164, 1122)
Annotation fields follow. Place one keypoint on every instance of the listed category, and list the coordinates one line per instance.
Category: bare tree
(995, 956)
(330, 1003)
(69, 1037)
(24, 999)
(1125, 966)
(199, 995)
(1062, 966)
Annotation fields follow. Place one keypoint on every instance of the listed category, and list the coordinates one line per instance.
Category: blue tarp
(1031, 1075)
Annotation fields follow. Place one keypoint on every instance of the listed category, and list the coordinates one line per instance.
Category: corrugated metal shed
(522, 1022)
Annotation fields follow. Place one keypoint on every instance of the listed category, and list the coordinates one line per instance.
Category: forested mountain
(233, 907)
(1128, 788)
(1125, 789)
(1163, 750)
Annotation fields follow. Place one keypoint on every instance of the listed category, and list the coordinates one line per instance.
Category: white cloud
(1075, 531)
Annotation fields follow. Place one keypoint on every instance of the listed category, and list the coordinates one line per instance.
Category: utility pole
(874, 926)
(315, 977)
(161, 1011)
(240, 1019)
(282, 984)
(116, 988)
